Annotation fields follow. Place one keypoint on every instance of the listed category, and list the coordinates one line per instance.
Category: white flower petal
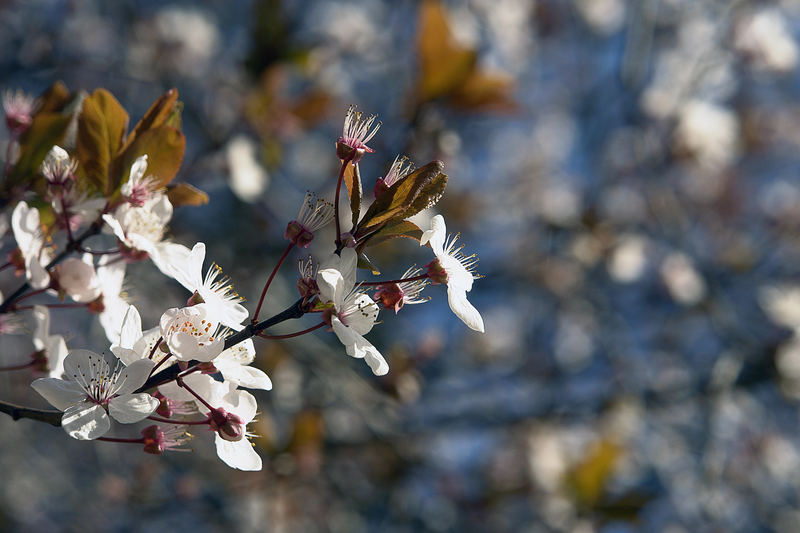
(239, 454)
(60, 393)
(131, 408)
(165, 254)
(189, 271)
(241, 403)
(85, 421)
(56, 351)
(131, 328)
(78, 362)
(331, 285)
(134, 376)
(244, 376)
(41, 317)
(436, 235)
(463, 309)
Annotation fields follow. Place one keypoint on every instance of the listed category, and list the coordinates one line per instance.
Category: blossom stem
(94, 229)
(163, 360)
(336, 203)
(155, 347)
(290, 335)
(269, 281)
(415, 278)
(140, 440)
(5, 266)
(30, 294)
(17, 367)
(193, 393)
(183, 422)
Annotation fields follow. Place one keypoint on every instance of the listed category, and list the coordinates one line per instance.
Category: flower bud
(227, 425)
(380, 188)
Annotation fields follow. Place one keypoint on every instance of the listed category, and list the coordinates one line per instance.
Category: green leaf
(164, 147)
(352, 179)
(404, 228)
(46, 130)
(184, 194)
(408, 195)
(101, 128)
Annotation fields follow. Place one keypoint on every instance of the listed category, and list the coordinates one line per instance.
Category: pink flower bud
(227, 425)
(436, 272)
(154, 441)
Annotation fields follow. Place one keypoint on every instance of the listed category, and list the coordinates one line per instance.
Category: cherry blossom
(191, 333)
(354, 311)
(454, 269)
(215, 289)
(93, 390)
(28, 232)
(52, 348)
(77, 277)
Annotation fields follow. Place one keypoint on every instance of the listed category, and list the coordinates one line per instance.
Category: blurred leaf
(486, 92)
(352, 179)
(158, 113)
(588, 478)
(46, 130)
(444, 64)
(449, 69)
(184, 194)
(164, 146)
(419, 188)
(404, 228)
(101, 127)
(54, 98)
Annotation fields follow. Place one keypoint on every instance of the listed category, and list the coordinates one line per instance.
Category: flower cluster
(192, 367)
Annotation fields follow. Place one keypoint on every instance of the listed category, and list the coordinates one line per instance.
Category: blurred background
(625, 170)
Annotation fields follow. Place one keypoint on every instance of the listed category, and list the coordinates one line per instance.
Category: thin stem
(336, 203)
(290, 335)
(155, 347)
(17, 367)
(30, 294)
(66, 219)
(183, 422)
(140, 440)
(193, 393)
(403, 280)
(269, 281)
(5, 266)
(42, 415)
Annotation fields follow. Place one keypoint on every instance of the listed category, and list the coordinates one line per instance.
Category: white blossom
(77, 277)
(53, 346)
(215, 289)
(457, 272)
(190, 333)
(28, 233)
(355, 312)
(93, 390)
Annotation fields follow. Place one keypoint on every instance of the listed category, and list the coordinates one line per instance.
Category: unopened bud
(227, 425)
